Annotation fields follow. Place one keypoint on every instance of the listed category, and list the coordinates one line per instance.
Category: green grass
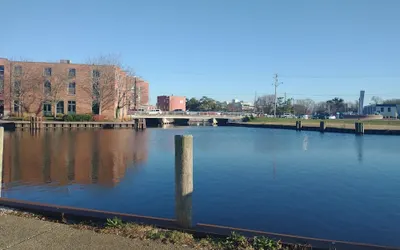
(316, 122)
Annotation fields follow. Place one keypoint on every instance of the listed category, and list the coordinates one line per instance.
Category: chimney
(65, 61)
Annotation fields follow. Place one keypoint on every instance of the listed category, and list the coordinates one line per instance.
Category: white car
(332, 117)
(288, 116)
(155, 112)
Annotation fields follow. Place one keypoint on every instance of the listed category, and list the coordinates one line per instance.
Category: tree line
(265, 104)
(205, 104)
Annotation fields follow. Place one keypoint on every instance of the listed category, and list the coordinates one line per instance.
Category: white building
(388, 110)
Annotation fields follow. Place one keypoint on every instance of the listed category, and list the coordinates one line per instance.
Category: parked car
(287, 115)
(332, 117)
(305, 117)
(155, 112)
(178, 112)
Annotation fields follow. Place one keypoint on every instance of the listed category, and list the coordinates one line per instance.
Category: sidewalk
(24, 233)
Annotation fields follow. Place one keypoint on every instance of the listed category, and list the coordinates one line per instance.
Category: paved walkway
(23, 233)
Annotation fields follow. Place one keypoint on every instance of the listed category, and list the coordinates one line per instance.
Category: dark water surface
(335, 186)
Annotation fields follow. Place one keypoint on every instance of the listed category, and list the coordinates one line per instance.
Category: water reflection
(359, 147)
(61, 157)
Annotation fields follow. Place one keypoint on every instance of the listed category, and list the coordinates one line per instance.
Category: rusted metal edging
(200, 230)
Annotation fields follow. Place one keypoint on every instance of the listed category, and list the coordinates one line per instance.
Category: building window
(17, 88)
(71, 88)
(389, 109)
(17, 70)
(71, 107)
(382, 109)
(96, 89)
(16, 106)
(1, 78)
(47, 71)
(96, 73)
(72, 73)
(47, 88)
(60, 107)
(46, 109)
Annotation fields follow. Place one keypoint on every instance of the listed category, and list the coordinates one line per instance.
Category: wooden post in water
(183, 180)
(298, 125)
(322, 126)
(359, 128)
(1, 157)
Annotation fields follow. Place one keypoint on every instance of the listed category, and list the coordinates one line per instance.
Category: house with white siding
(388, 110)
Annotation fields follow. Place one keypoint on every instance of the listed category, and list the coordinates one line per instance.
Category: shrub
(246, 119)
(115, 222)
(78, 118)
(99, 118)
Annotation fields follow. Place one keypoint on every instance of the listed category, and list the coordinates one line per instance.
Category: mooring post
(359, 128)
(1, 158)
(183, 180)
(322, 126)
(298, 125)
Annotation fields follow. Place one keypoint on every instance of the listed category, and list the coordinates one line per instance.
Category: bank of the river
(36, 230)
(391, 127)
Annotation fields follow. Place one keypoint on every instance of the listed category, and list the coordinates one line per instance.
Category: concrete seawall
(315, 128)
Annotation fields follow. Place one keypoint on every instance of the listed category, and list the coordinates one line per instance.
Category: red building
(171, 103)
(63, 87)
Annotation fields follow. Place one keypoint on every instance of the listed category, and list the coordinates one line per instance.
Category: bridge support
(213, 121)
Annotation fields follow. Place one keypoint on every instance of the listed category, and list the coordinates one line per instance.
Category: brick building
(63, 88)
(171, 103)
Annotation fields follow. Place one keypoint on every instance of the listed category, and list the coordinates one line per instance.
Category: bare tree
(321, 107)
(103, 82)
(376, 100)
(265, 104)
(125, 84)
(24, 93)
(305, 106)
(54, 87)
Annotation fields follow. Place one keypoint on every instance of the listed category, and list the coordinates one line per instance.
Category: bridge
(185, 119)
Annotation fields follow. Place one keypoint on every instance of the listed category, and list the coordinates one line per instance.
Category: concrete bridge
(155, 120)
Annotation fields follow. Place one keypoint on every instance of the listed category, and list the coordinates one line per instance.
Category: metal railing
(188, 113)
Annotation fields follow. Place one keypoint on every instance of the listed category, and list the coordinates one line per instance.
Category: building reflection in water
(61, 157)
(359, 147)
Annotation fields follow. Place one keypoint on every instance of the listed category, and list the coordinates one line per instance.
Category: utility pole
(255, 101)
(276, 84)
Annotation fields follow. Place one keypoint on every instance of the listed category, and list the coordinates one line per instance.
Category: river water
(334, 186)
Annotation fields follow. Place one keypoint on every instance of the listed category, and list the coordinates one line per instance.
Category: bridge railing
(189, 113)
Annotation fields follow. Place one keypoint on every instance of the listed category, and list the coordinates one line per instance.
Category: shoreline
(346, 128)
(162, 230)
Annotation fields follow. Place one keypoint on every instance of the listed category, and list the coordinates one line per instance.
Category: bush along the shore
(248, 118)
(145, 232)
(78, 118)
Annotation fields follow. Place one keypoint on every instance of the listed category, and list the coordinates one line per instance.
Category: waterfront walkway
(25, 233)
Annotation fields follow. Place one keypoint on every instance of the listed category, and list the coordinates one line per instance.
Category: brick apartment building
(65, 88)
(171, 103)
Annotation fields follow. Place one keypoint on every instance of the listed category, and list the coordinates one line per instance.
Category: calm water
(335, 186)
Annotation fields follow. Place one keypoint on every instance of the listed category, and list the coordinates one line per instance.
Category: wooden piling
(359, 128)
(322, 126)
(183, 180)
(298, 125)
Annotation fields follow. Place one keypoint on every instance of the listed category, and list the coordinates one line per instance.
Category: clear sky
(224, 49)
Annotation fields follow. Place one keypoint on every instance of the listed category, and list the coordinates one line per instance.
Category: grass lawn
(340, 123)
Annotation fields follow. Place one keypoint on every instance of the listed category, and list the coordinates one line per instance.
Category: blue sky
(224, 49)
